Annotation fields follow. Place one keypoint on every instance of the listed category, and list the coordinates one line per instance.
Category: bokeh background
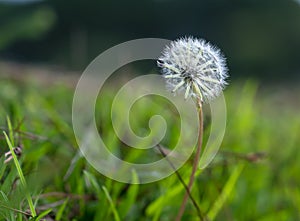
(259, 38)
(46, 44)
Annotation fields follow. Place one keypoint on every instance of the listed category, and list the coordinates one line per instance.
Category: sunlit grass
(255, 175)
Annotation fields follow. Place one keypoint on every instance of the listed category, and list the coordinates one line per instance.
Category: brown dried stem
(195, 164)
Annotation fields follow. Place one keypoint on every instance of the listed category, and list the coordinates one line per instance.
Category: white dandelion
(199, 68)
(195, 66)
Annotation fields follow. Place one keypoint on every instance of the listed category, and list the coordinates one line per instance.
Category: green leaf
(229, 186)
(42, 214)
(130, 198)
(21, 175)
(2, 204)
(61, 210)
(2, 167)
(112, 205)
(92, 181)
(10, 131)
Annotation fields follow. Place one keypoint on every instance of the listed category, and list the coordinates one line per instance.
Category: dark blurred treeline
(260, 38)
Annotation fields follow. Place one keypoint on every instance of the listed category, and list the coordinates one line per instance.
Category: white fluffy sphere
(195, 66)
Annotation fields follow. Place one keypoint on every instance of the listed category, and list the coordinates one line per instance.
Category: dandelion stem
(195, 165)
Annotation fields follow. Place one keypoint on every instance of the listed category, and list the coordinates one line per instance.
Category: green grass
(20, 173)
(238, 185)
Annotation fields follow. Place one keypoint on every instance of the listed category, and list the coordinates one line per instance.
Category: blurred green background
(45, 45)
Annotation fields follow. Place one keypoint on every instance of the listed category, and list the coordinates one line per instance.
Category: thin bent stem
(15, 210)
(181, 180)
(195, 163)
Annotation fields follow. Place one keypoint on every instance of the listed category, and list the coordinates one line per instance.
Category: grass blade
(220, 201)
(10, 131)
(112, 205)
(61, 210)
(2, 167)
(43, 214)
(21, 175)
(130, 197)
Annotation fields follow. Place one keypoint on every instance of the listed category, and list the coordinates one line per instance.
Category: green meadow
(255, 175)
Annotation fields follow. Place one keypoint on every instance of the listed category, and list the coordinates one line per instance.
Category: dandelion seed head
(195, 66)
